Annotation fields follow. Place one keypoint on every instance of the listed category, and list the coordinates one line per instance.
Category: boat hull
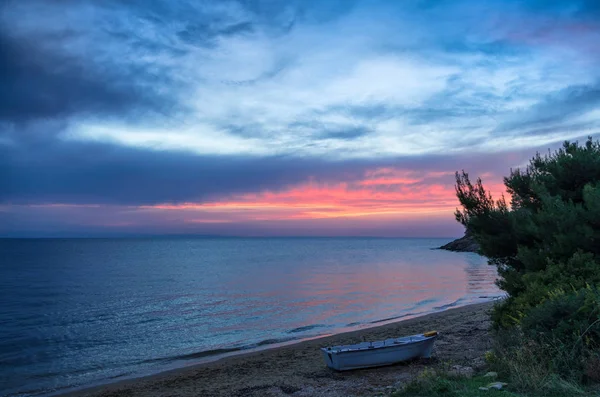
(384, 353)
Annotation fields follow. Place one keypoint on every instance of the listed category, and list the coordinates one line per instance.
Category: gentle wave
(333, 330)
(383, 320)
(193, 356)
(306, 328)
(449, 305)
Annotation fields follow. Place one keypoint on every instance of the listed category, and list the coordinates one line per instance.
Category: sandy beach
(298, 369)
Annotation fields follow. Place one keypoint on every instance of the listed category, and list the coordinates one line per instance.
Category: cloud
(246, 79)
(38, 83)
(45, 169)
(142, 103)
(565, 108)
(380, 201)
(84, 172)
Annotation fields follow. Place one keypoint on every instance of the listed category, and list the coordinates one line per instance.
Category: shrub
(525, 364)
(547, 239)
(441, 385)
(568, 324)
(545, 245)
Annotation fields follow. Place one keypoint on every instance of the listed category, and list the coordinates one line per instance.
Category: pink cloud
(382, 201)
(382, 193)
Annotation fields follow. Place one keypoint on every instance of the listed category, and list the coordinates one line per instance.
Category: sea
(76, 313)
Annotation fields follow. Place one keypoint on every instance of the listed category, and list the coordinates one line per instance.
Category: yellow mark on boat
(430, 333)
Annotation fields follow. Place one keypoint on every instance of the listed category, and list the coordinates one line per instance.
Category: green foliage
(548, 239)
(570, 317)
(432, 385)
(546, 246)
(530, 364)
(567, 326)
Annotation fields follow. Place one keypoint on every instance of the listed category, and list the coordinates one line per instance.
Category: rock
(458, 371)
(491, 375)
(497, 385)
(464, 244)
(478, 364)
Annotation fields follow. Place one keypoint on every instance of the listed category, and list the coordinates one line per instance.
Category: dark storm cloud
(45, 72)
(38, 84)
(46, 169)
(84, 172)
(48, 79)
(556, 111)
(40, 80)
(345, 133)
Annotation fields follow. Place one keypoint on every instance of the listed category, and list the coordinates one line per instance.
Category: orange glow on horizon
(382, 193)
(377, 198)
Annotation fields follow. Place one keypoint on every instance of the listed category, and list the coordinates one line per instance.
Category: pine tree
(548, 238)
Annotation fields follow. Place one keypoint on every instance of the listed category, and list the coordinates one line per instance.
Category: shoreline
(296, 367)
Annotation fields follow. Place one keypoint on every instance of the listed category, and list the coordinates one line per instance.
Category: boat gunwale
(329, 350)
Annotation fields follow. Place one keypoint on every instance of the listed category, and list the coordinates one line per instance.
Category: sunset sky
(280, 117)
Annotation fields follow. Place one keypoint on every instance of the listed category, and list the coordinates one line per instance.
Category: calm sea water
(78, 312)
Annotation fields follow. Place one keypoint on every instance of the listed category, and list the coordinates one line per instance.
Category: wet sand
(299, 370)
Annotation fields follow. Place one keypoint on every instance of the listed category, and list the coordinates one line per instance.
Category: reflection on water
(480, 279)
(84, 311)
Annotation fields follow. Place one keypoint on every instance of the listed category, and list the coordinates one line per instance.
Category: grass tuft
(429, 384)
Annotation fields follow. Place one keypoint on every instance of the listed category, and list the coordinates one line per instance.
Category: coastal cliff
(464, 244)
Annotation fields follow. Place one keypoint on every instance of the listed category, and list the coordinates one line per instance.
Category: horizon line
(142, 236)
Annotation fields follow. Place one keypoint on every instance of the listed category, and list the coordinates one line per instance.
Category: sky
(280, 117)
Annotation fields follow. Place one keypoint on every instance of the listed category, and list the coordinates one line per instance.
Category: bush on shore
(546, 246)
(567, 325)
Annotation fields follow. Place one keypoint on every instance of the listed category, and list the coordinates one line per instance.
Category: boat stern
(330, 358)
(428, 345)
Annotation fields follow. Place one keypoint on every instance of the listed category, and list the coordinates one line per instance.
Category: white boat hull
(375, 354)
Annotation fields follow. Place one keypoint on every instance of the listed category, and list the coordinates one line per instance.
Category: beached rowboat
(375, 354)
